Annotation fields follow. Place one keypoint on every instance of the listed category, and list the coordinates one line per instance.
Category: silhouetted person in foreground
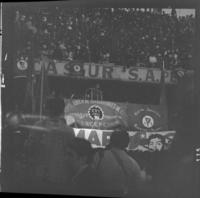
(84, 180)
(12, 151)
(49, 172)
(177, 171)
(120, 174)
(8, 153)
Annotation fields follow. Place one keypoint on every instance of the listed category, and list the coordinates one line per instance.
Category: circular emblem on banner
(147, 121)
(22, 65)
(95, 112)
(77, 68)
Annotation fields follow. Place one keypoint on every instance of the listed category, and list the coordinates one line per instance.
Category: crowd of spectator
(123, 36)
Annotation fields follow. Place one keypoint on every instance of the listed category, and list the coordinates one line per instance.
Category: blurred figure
(84, 180)
(12, 153)
(177, 172)
(8, 153)
(46, 151)
(120, 174)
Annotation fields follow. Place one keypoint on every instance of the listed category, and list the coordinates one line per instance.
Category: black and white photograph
(100, 98)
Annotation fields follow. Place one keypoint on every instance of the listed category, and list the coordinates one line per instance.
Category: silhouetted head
(55, 107)
(79, 153)
(119, 139)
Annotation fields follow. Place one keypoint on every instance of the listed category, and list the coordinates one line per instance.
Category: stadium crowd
(123, 36)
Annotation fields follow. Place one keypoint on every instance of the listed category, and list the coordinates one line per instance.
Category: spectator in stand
(125, 36)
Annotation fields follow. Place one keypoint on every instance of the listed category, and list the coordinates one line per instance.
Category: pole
(33, 80)
(0, 79)
(32, 76)
(162, 84)
(42, 89)
(89, 52)
(30, 96)
(0, 36)
(32, 93)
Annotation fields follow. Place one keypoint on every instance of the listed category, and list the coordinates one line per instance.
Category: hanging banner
(109, 115)
(147, 117)
(105, 72)
(95, 114)
(143, 141)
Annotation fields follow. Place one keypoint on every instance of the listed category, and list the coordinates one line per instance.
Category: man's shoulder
(128, 159)
(55, 126)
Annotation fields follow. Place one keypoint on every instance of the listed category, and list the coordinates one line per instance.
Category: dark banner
(108, 115)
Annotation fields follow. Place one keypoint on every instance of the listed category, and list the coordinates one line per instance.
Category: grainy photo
(100, 100)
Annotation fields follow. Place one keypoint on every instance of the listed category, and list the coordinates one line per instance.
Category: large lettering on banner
(138, 140)
(78, 69)
(93, 71)
(51, 68)
(133, 74)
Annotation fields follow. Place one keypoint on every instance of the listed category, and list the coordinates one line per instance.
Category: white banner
(105, 72)
(138, 140)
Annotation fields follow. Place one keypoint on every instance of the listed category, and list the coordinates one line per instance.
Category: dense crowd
(128, 36)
